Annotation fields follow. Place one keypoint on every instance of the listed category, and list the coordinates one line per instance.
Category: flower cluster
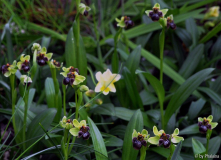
(43, 57)
(24, 63)
(72, 76)
(9, 69)
(36, 47)
(106, 82)
(161, 138)
(25, 80)
(140, 139)
(83, 9)
(66, 123)
(124, 22)
(158, 15)
(55, 64)
(206, 123)
(80, 129)
(170, 23)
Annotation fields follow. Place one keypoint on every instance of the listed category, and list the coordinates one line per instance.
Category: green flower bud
(84, 88)
(99, 101)
(36, 46)
(90, 93)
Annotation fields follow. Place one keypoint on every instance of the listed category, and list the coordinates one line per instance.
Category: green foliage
(169, 94)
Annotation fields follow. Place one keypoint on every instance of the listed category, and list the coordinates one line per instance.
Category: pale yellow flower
(214, 11)
(106, 82)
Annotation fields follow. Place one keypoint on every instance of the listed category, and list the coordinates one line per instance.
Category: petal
(200, 119)
(74, 131)
(144, 131)
(210, 118)
(154, 140)
(7, 74)
(83, 123)
(76, 124)
(213, 124)
(106, 91)
(134, 134)
(116, 77)
(62, 124)
(43, 50)
(65, 69)
(107, 74)
(64, 74)
(78, 79)
(64, 119)
(112, 87)
(176, 139)
(98, 76)
(49, 55)
(164, 11)
(155, 131)
(98, 87)
(19, 65)
(23, 58)
(13, 71)
(176, 132)
(147, 12)
(116, 19)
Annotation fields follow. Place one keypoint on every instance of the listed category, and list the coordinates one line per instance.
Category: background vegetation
(192, 88)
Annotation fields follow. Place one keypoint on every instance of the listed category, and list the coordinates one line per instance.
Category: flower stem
(161, 42)
(115, 59)
(56, 86)
(25, 118)
(64, 98)
(208, 135)
(13, 92)
(34, 65)
(78, 100)
(143, 153)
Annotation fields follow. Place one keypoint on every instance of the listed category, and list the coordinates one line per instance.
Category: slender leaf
(184, 91)
(98, 141)
(136, 122)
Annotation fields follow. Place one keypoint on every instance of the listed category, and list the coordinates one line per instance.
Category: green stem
(56, 86)
(161, 42)
(67, 147)
(64, 98)
(25, 118)
(143, 153)
(77, 36)
(115, 59)
(78, 100)
(34, 65)
(208, 135)
(13, 93)
(207, 145)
